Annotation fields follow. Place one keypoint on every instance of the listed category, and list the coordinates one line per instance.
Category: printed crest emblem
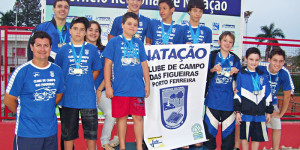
(141, 24)
(36, 74)
(51, 73)
(261, 79)
(173, 30)
(173, 102)
(197, 131)
(86, 52)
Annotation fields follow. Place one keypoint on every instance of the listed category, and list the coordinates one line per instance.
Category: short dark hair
(82, 20)
(169, 2)
(130, 15)
(277, 51)
(252, 50)
(54, 4)
(227, 33)
(195, 3)
(41, 35)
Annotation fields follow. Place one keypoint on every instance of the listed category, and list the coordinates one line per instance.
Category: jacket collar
(54, 23)
(244, 70)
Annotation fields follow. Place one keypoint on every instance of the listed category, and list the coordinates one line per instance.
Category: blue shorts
(25, 143)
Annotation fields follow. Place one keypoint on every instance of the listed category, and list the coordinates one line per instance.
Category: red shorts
(123, 106)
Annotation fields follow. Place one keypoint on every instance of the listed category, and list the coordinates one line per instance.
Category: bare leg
(245, 144)
(122, 126)
(237, 137)
(69, 145)
(254, 145)
(276, 138)
(91, 144)
(138, 131)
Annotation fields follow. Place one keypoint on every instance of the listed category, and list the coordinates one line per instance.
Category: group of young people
(69, 66)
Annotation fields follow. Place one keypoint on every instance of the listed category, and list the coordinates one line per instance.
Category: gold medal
(78, 71)
(137, 36)
(60, 45)
(227, 74)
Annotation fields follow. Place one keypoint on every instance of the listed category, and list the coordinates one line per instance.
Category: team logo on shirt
(141, 24)
(173, 102)
(86, 52)
(36, 74)
(51, 73)
(44, 94)
(261, 79)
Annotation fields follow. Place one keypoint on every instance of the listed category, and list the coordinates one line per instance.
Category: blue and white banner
(219, 15)
(174, 109)
(218, 7)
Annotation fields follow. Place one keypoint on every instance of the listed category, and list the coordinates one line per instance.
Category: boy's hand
(217, 68)
(109, 92)
(238, 118)
(98, 94)
(188, 43)
(268, 117)
(234, 71)
(147, 91)
(235, 91)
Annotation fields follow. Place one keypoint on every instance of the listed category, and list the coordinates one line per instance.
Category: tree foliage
(28, 12)
(8, 18)
(270, 32)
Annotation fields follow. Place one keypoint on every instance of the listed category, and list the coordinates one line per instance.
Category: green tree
(270, 32)
(8, 18)
(29, 13)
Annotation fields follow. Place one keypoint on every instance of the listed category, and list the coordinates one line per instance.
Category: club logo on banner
(173, 102)
(156, 142)
(197, 131)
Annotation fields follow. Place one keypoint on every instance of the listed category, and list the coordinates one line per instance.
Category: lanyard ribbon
(77, 61)
(255, 81)
(166, 37)
(225, 60)
(129, 46)
(195, 37)
(61, 39)
(273, 87)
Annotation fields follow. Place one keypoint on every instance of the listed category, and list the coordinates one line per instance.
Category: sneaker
(114, 142)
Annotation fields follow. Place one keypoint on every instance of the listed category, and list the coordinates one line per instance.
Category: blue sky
(285, 14)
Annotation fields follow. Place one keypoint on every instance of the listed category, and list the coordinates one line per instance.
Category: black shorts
(70, 123)
(257, 131)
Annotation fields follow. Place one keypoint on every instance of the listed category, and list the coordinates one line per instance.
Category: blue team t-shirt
(127, 70)
(282, 78)
(220, 92)
(36, 89)
(80, 88)
(100, 78)
(155, 33)
(204, 37)
(116, 29)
